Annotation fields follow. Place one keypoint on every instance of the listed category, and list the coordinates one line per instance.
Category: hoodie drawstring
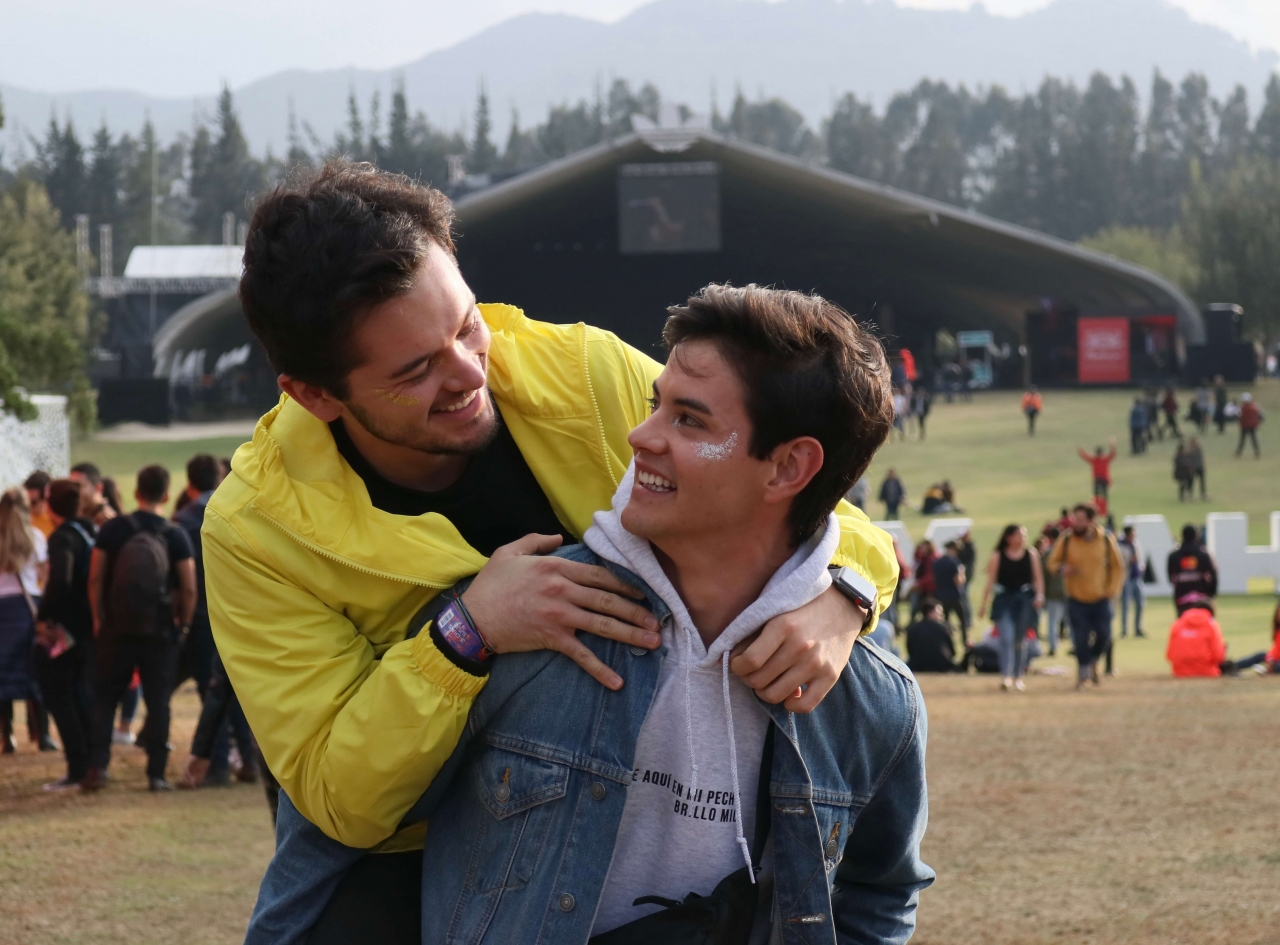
(733, 766)
(688, 708)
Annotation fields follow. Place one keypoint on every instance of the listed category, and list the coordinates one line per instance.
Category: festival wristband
(460, 633)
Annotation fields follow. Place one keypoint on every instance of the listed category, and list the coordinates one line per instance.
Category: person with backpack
(64, 629)
(1192, 572)
(1093, 572)
(142, 593)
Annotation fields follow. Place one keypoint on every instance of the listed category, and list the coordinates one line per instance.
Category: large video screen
(669, 207)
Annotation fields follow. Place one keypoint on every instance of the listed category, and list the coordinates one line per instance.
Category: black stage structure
(614, 234)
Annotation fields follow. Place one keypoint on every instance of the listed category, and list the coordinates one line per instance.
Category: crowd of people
(101, 609)
(1067, 584)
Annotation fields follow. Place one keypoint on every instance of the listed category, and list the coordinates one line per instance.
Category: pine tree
(60, 168)
(224, 176)
(102, 195)
(399, 156)
(853, 139)
(1266, 133)
(482, 155)
(1233, 130)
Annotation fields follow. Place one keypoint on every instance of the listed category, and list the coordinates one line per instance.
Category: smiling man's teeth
(460, 404)
(656, 483)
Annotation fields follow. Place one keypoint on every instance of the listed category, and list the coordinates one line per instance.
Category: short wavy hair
(808, 369)
(324, 249)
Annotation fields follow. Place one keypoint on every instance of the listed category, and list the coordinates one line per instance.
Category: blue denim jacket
(524, 814)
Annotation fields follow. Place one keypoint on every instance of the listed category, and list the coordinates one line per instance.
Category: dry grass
(126, 866)
(1143, 812)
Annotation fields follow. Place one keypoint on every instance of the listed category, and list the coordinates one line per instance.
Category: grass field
(1143, 812)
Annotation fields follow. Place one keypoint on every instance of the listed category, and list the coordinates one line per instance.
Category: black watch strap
(855, 587)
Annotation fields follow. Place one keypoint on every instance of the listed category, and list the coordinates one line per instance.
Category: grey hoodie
(692, 800)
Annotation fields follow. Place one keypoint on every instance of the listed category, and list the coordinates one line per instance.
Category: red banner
(1103, 350)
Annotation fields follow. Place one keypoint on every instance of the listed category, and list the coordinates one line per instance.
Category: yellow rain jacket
(311, 588)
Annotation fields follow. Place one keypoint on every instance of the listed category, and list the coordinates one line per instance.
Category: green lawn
(1001, 475)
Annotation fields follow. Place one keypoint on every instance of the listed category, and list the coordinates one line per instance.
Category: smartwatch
(855, 587)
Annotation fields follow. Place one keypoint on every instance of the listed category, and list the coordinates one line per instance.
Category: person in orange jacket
(1032, 404)
(1196, 647)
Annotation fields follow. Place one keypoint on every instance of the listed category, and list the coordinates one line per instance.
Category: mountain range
(807, 52)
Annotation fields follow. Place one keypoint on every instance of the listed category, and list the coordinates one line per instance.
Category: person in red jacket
(1250, 420)
(1268, 662)
(1196, 647)
(1101, 465)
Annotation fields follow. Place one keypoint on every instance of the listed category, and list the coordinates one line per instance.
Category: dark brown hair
(153, 483)
(65, 497)
(807, 369)
(322, 251)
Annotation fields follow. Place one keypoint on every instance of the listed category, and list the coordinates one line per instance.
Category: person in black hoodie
(64, 616)
(1193, 573)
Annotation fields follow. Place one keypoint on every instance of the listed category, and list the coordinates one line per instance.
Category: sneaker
(1019, 685)
(1139, 634)
(95, 780)
(1093, 674)
(119, 737)
(1262, 669)
(62, 784)
(48, 744)
(157, 785)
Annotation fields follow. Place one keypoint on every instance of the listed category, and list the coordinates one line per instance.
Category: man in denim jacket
(682, 808)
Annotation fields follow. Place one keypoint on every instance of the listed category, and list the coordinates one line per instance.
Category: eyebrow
(423, 359)
(689, 402)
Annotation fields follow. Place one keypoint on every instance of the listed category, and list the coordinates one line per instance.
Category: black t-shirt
(119, 530)
(496, 501)
(946, 579)
(929, 647)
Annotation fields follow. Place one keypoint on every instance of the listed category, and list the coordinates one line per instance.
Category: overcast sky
(187, 47)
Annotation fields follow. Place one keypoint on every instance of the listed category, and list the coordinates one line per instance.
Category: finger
(572, 647)
(531, 544)
(806, 699)
(791, 653)
(787, 684)
(611, 629)
(761, 650)
(592, 575)
(642, 624)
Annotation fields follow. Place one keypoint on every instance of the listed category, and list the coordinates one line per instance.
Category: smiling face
(424, 355)
(695, 475)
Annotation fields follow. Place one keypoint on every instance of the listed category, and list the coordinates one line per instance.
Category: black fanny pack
(726, 915)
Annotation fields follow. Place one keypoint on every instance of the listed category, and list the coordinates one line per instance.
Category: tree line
(1187, 184)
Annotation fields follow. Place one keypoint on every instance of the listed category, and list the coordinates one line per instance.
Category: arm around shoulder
(353, 740)
(869, 551)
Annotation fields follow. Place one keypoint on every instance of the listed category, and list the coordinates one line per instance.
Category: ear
(315, 400)
(795, 463)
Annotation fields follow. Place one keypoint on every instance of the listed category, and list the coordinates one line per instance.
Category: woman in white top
(24, 565)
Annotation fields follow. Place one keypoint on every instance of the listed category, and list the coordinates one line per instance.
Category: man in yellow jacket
(423, 438)
(1088, 558)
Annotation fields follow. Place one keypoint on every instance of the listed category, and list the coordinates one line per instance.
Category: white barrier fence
(43, 443)
(1226, 535)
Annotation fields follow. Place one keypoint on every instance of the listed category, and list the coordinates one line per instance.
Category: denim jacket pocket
(515, 818)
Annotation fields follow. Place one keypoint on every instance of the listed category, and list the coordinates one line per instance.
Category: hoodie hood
(801, 579)
(690, 667)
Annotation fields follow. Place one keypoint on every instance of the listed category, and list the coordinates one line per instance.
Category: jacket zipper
(312, 546)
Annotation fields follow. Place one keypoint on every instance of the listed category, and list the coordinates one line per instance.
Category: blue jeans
(1133, 591)
(1054, 612)
(1090, 631)
(1013, 614)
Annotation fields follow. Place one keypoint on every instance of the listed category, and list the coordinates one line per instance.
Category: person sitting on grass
(1196, 647)
(1268, 661)
(930, 648)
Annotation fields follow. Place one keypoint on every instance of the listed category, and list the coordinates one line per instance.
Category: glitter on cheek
(400, 400)
(716, 451)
